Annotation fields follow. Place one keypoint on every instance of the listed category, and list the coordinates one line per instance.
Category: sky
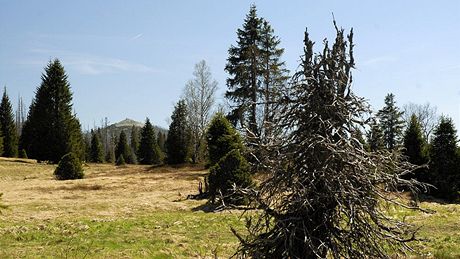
(132, 59)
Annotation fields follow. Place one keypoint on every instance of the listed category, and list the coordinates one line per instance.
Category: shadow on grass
(433, 199)
(207, 207)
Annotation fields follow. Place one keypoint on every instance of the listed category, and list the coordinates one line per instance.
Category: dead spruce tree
(325, 194)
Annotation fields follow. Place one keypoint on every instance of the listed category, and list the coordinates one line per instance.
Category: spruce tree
(414, 148)
(444, 164)
(122, 148)
(7, 128)
(149, 152)
(391, 122)
(375, 137)
(256, 73)
(222, 138)
(178, 141)
(69, 168)
(96, 150)
(231, 170)
(51, 130)
(134, 143)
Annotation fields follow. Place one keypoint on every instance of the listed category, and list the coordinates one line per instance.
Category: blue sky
(133, 58)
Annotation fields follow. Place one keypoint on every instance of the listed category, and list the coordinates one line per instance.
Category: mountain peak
(127, 123)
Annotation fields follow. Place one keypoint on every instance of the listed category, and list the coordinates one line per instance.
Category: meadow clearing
(139, 211)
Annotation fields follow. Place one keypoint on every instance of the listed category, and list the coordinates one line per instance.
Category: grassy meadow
(140, 211)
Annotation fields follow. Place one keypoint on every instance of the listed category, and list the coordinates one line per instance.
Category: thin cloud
(89, 64)
(137, 36)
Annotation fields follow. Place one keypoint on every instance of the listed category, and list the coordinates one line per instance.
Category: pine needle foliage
(69, 168)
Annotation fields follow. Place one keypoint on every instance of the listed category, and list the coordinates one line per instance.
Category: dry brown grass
(106, 191)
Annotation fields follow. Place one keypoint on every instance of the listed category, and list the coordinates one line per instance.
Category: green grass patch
(160, 235)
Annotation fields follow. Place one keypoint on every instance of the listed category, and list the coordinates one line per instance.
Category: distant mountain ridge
(127, 124)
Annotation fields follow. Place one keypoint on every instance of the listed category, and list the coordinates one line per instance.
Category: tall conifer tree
(51, 130)
(414, 148)
(122, 148)
(444, 169)
(256, 74)
(391, 122)
(8, 128)
(134, 143)
(178, 141)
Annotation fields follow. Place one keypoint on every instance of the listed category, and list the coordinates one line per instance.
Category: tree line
(328, 161)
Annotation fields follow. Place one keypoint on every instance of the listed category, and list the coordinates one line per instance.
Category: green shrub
(69, 168)
(222, 138)
(232, 169)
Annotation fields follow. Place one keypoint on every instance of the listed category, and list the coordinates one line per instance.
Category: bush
(69, 168)
(221, 138)
(120, 160)
(231, 169)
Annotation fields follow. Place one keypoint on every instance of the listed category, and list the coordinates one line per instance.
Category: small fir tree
(178, 141)
(8, 128)
(120, 161)
(134, 143)
(122, 148)
(69, 168)
(414, 146)
(96, 150)
(222, 138)
(391, 122)
(231, 170)
(149, 152)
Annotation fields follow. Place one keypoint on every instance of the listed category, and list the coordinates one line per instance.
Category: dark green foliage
(22, 153)
(120, 160)
(96, 150)
(232, 169)
(51, 130)
(391, 122)
(414, 146)
(375, 137)
(110, 156)
(8, 128)
(134, 144)
(69, 168)
(222, 138)
(177, 143)
(122, 148)
(256, 74)
(149, 152)
(444, 165)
